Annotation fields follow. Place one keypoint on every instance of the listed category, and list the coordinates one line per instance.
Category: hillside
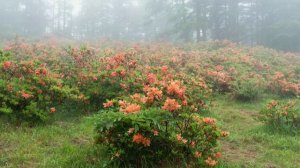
(56, 97)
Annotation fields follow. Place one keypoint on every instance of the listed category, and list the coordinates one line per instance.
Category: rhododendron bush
(29, 92)
(155, 136)
(161, 121)
(282, 115)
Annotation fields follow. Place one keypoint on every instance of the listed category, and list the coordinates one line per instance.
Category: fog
(271, 23)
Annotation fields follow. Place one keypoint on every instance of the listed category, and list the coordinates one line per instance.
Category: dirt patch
(233, 153)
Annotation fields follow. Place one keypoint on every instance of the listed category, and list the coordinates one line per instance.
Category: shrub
(28, 92)
(246, 89)
(279, 84)
(219, 79)
(153, 136)
(162, 124)
(281, 115)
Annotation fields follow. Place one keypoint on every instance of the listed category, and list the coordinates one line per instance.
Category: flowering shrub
(29, 92)
(154, 136)
(219, 79)
(160, 122)
(282, 115)
(280, 85)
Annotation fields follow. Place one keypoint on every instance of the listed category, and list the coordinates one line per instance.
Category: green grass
(68, 141)
(251, 143)
(62, 144)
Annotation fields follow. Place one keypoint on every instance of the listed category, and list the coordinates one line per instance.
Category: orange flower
(119, 58)
(6, 65)
(272, 104)
(193, 144)
(137, 138)
(209, 162)
(178, 136)
(155, 132)
(218, 155)
(153, 93)
(52, 109)
(197, 154)
(26, 95)
(130, 130)
(108, 104)
(176, 88)
(136, 97)
(122, 103)
(208, 120)
(146, 142)
(41, 71)
(131, 108)
(114, 74)
(224, 134)
(151, 78)
(123, 86)
(164, 69)
(171, 105)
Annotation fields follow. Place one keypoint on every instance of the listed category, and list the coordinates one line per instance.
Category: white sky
(76, 7)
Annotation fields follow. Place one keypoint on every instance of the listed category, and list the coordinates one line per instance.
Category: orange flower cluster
(41, 71)
(155, 132)
(130, 130)
(6, 65)
(282, 84)
(171, 105)
(129, 108)
(197, 154)
(151, 78)
(164, 69)
(218, 155)
(272, 104)
(152, 94)
(118, 58)
(136, 97)
(108, 104)
(180, 139)
(210, 162)
(26, 95)
(176, 88)
(140, 139)
(52, 109)
(224, 134)
(208, 120)
(121, 73)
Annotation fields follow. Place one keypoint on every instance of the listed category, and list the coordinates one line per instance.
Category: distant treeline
(272, 23)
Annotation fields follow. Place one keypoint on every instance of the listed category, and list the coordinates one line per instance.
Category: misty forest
(149, 83)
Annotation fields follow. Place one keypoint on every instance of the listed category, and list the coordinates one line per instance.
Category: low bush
(29, 92)
(153, 136)
(282, 115)
(159, 125)
(246, 89)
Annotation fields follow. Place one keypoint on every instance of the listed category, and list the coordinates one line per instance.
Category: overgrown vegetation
(146, 99)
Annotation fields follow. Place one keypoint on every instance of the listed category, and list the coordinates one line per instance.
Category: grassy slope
(69, 143)
(251, 144)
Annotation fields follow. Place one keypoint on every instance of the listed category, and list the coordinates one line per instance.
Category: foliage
(282, 115)
(247, 89)
(29, 92)
(153, 136)
(159, 123)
